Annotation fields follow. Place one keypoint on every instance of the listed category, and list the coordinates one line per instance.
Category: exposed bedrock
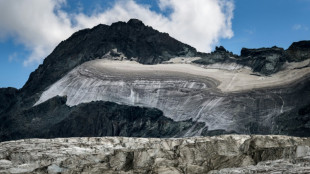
(142, 155)
(183, 96)
(219, 55)
(54, 119)
(7, 97)
(265, 61)
(299, 51)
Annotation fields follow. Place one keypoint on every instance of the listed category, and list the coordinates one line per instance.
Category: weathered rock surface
(7, 97)
(284, 166)
(219, 55)
(299, 51)
(54, 119)
(264, 60)
(140, 155)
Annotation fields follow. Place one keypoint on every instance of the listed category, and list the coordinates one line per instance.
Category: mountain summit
(133, 39)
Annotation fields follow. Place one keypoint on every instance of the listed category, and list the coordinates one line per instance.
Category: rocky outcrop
(140, 155)
(299, 51)
(54, 119)
(219, 55)
(264, 60)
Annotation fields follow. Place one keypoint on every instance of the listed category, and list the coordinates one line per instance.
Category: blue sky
(255, 23)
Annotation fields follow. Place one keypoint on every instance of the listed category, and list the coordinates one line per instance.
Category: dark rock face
(295, 122)
(117, 120)
(299, 51)
(133, 39)
(220, 55)
(7, 97)
(264, 60)
(54, 119)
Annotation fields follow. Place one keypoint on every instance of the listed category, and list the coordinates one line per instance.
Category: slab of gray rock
(152, 155)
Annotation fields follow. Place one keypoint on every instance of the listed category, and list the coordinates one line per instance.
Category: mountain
(134, 39)
(129, 79)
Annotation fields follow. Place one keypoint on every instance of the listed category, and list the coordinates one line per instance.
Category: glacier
(220, 96)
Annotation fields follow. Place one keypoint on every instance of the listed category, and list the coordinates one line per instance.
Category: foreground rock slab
(152, 155)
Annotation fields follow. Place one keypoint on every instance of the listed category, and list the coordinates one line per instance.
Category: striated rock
(185, 91)
(299, 51)
(141, 155)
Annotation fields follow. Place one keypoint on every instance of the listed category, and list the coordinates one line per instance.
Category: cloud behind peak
(40, 25)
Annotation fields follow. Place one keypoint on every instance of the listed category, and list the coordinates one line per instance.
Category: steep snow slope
(218, 95)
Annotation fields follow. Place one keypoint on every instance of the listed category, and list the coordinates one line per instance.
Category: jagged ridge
(134, 39)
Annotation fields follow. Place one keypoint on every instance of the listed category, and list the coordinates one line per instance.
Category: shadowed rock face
(7, 97)
(54, 118)
(142, 155)
(299, 51)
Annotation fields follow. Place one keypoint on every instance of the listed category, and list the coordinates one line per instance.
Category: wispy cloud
(41, 24)
(249, 31)
(13, 57)
(300, 27)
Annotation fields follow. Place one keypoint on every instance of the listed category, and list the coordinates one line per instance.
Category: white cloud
(40, 24)
(37, 24)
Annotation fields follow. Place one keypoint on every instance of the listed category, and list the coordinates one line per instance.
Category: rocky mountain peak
(133, 39)
(135, 22)
(220, 49)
